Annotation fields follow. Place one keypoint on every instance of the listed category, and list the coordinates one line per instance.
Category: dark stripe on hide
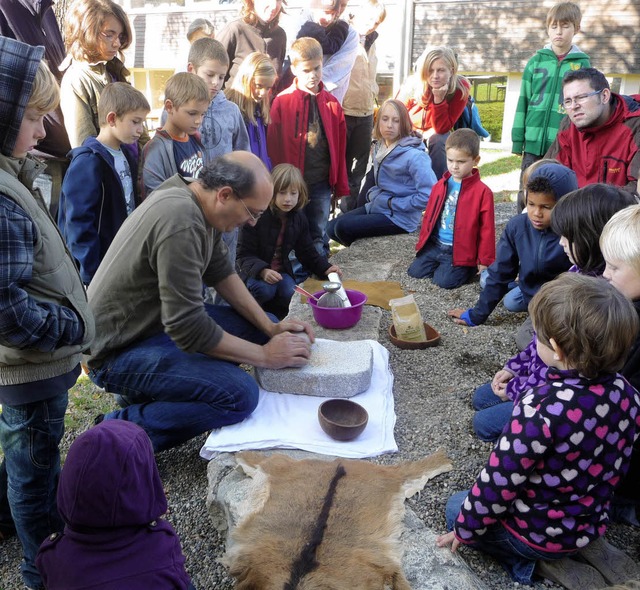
(306, 561)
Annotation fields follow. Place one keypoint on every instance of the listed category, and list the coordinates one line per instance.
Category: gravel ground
(433, 390)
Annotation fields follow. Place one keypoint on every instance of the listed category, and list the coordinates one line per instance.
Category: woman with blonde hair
(435, 97)
(251, 91)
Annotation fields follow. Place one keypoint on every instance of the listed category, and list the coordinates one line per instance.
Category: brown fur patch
(360, 546)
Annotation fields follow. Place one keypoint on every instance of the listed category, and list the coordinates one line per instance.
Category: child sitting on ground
(545, 491)
(402, 182)
(176, 148)
(620, 243)
(460, 206)
(100, 186)
(111, 500)
(527, 249)
(578, 219)
(308, 130)
(263, 249)
(251, 91)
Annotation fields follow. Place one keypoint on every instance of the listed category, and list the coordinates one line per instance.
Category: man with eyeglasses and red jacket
(600, 137)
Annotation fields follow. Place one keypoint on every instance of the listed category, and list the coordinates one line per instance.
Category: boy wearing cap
(528, 249)
(45, 320)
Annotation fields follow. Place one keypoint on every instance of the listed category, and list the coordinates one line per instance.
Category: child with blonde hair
(46, 321)
(308, 130)
(263, 249)
(251, 91)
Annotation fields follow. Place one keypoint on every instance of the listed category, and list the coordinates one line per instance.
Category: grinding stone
(336, 369)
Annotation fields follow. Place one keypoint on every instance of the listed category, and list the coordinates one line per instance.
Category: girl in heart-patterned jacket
(545, 491)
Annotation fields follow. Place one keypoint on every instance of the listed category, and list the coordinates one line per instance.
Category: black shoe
(99, 418)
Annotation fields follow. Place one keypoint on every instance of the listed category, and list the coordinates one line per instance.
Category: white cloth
(287, 421)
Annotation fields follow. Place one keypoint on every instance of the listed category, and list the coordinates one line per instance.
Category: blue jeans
(264, 292)
(357, 224)
(317, 211)
(514, 300)
(437, 153)
(359, 131)
(176, 395)
(492, 413)
(30, 435)
(435, 261)
(514, 555)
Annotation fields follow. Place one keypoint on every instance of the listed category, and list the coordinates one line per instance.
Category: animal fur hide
(318, 525)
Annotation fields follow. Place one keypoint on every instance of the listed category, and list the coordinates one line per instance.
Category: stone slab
(335, 369)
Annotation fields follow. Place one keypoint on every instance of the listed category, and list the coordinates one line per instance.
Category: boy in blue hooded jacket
(528, 249)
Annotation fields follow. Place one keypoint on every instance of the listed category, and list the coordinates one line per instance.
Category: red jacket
(287, 133)
(474, 230)
(425, 114)
(608, 153)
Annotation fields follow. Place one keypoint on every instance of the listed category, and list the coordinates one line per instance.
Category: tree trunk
(60, 9)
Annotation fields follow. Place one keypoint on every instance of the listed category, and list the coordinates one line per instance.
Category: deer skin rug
(319, 525)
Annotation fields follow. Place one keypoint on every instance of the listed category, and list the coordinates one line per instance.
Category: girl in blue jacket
(403, 179)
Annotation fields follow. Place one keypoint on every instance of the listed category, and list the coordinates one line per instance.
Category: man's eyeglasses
(111, 36)
(253, 216)
(580, 99)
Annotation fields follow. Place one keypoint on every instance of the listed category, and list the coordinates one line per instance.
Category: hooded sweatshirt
(111, 499)
(534, 256)
(539, 110)
(45, 320)
(223, 130)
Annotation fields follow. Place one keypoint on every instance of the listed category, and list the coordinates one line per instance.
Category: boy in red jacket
(308, 130)
(457, 237)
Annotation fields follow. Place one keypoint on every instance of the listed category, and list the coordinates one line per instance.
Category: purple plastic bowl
(339, 318)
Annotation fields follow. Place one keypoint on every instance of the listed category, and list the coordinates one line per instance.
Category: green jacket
(539, 109)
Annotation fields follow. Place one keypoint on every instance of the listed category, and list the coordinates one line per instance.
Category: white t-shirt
(124, 172)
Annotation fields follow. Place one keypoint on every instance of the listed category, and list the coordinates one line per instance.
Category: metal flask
(331, 297)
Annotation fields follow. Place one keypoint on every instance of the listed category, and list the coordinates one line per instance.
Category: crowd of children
(564, 411)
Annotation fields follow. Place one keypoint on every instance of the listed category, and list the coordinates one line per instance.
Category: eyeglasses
(253, 216)
(580, 99)
(111, 36)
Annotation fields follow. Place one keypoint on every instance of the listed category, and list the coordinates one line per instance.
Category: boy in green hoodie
(540, 109)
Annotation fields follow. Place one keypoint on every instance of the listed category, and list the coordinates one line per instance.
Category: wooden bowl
(433, 339)
(342, 419)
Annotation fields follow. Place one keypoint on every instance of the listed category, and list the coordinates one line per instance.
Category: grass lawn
(501, 166)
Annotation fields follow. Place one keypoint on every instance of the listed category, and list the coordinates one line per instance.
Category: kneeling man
(171, 359)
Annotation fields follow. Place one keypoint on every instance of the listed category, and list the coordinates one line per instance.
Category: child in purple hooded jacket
(111, 499)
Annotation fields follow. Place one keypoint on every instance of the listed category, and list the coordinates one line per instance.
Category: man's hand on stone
(295, 326)
(287, 350)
